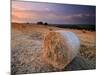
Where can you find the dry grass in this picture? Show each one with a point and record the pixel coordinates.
(26, 46)
(55, 52)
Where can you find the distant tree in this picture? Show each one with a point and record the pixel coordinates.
(40, 22)
(27, 23)
(45, 23)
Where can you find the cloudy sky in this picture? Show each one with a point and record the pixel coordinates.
(23, 11)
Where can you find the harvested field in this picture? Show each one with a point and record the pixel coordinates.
(26, 49)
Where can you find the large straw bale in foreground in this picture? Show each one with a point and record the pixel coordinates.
(59, 48)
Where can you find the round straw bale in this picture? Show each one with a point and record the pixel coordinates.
(59, 48)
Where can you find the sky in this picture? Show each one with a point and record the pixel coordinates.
(52, 13)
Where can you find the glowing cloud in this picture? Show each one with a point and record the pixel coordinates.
(52, 13)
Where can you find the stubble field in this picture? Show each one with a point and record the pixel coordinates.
(26, 47)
